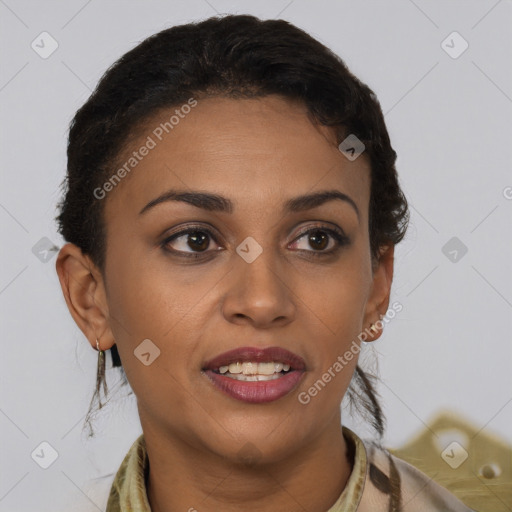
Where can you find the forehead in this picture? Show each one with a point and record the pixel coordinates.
(259, 152)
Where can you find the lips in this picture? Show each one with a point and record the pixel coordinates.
(245, 383)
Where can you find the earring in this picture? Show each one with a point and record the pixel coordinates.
(373, 328)
(100, 374)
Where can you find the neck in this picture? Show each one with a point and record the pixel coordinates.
(183, 478)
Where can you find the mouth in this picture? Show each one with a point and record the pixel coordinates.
(255, 375)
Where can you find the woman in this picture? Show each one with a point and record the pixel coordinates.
(232, 207)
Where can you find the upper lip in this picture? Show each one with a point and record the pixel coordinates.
(257, 355)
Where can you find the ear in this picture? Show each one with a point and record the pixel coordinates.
(378, 300)
(84, 290)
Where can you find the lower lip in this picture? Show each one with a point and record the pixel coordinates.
(256, 392)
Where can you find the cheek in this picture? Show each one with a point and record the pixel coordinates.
(147, 304)
(338, 296)
(343, 305)
(163, 304)
(150, 299)
(338, 300)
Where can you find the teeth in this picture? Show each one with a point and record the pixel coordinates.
(266, 368)
(254, 378)
(235, 368)
(252, 371)
(249, 368)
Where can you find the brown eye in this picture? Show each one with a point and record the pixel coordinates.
(189, 242)
(322, 240)
(319, 240)
(198, 240)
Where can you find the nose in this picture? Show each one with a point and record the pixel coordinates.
(259, 293)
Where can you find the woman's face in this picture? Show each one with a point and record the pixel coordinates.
(258, 280)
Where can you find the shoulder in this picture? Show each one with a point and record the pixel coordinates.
(390, 479)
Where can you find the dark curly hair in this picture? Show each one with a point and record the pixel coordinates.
(235, 56)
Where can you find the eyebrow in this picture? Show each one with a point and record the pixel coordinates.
(217, 203)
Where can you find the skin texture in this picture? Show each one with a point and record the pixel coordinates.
(258, 153)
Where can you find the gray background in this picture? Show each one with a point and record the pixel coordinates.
(449, 120)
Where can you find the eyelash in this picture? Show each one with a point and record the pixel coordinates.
(337, 235)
